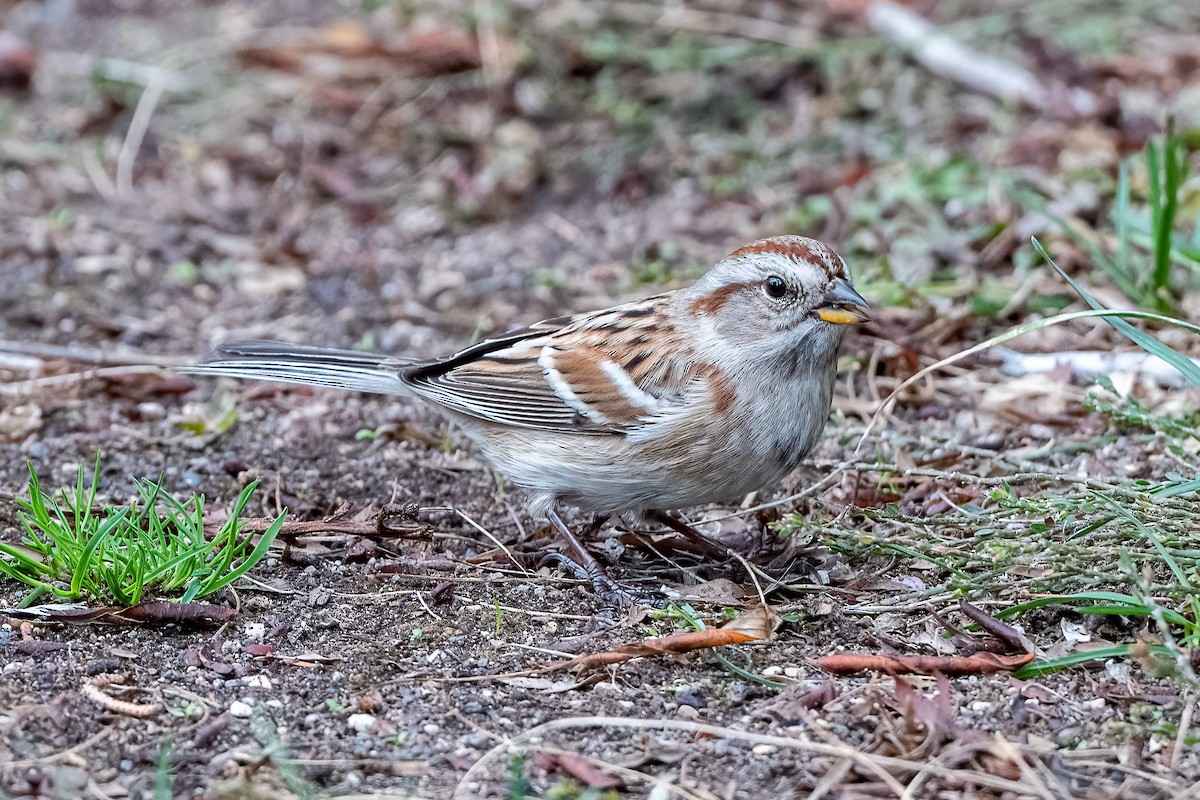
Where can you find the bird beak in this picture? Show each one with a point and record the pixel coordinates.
(841, 305)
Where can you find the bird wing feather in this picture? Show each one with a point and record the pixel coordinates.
(599, 373)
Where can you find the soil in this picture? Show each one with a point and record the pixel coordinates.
(410, 204)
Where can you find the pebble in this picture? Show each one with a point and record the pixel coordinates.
(258, 682)
(240, 709)
(690, 696)
(763, 749)
(361, 723)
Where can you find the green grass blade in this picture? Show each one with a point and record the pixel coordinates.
(1111, 267)
(1185, 365)
(256, 555)
(1122, 219)
(25, 560)
(1109, 598)
(1036, 668)
(1174, 490)
(84, 564)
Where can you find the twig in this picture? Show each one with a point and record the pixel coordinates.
(485, 532)
(700, 728)
(21, 388)
(137, 131)
(714, 22)
(93, 690)
(1185, 725)
(92, 355)
(62, 754)
(943, 55)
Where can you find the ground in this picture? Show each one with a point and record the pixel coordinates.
(409, 177)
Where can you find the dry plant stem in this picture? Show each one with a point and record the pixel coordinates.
(94, 691)
(467, 519)
(945, 56)
(844, 751)
(63, 755)
(25, 388)
(1185, 724)
(1009, 335)
(91, 355)
(137, 131)
(714, 22)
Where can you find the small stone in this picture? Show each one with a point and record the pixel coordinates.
(240, 709)
(431, 728)
(763, 750)
(258, 682)
(361, 723)
(687, 712)
(690, 696)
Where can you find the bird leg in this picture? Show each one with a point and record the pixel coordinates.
(707, 546)
(585, 566)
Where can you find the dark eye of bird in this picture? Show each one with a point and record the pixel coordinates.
(776, 286)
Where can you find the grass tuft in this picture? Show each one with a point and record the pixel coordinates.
(1152, 243)
(73, 549)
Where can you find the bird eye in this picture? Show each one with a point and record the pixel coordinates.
(775, 286)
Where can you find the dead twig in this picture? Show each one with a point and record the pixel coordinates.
(693, 19)
(945, 56)
(137, 130)
(25, 388)
(981, 663)
(94, 691)
(964, 777)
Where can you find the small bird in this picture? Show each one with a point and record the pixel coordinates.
(695, 396)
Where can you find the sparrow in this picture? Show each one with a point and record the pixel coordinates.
(694, 396)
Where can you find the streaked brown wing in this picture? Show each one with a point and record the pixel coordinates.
(591, 374)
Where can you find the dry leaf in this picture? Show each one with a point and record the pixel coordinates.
(756, 626)
(982, 663)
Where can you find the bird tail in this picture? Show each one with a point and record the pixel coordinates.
(315, 366)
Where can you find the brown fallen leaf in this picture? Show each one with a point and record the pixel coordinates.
(428, 54)
(981, 663)
(194, 614)
(155, 611)
(578, 768)
(307, 659)
(790, 706)
(756, 626)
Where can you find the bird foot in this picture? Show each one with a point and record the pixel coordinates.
(604, 586)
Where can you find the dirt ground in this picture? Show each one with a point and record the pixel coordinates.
(406, 179)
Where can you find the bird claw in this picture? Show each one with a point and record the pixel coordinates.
(604, 586)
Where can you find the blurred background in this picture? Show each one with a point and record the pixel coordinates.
(405, 176)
